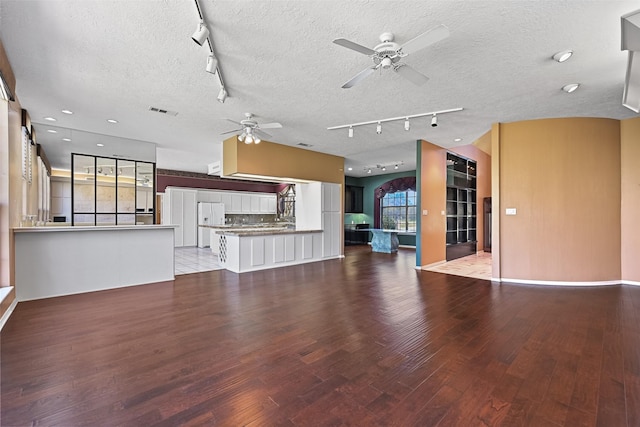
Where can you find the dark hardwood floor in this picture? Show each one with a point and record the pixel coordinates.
(363, 341)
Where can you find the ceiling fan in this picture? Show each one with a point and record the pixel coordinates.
(388, 54)
(251, 131)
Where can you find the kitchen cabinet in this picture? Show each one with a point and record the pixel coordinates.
(332, 232)
(331, 197)
(180, 208)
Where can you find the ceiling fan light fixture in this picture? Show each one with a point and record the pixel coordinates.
(386, 63)
(201, 33)
(248, 139)
(379, 128)
(242, 136)
(222, 95)
(256, 140)
(572, 87)
(562, 56)
(212, 64)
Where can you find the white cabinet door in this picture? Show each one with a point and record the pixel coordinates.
(236, 203)
(272, 204)
(331, 195)
(190, 219)
(331, 227)
(225, 199)
(215, 197)
(264, 204)
(255, 203)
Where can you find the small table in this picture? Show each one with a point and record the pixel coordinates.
(384, 240)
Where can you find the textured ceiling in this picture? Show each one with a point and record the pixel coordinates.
(114, 59)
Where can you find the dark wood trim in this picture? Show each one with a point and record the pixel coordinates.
(43, 156)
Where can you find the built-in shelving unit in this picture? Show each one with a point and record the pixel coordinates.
(461, 207)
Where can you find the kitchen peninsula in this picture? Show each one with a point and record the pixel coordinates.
(56, 260)
(242, 250)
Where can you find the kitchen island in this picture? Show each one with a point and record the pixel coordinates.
(384, 240)
(57, 260)
(242, 250)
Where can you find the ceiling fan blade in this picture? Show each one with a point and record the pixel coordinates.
(273, 125)
(262, 134)
(232, 131)
(358, 77)
(354, 46)
(234, 122)
(412, 75)
(425, 39)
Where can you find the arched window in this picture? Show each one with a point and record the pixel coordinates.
(396, 205)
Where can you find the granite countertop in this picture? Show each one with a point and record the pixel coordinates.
(263, 231)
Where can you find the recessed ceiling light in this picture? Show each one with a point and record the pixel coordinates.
(112, 120)
(562, 56)
(51, 119)
(100, 145)
(571, 87)
(67, 111)
(349, 169)
(66, 139)
(457, 140)
(52, 131)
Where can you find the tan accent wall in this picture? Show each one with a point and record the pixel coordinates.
(269, 159)
(563, 177)
(630, 198)
(484, 143)
(483, 183)
(433, 193)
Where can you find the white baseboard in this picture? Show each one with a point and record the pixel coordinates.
(630, 282)
(557, 283)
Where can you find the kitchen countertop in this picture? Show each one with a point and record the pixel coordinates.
(263, 232)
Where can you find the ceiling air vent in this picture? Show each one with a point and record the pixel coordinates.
(302, 144)
(161, 111)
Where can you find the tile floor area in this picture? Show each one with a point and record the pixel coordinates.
(195, 260)
(477, 266)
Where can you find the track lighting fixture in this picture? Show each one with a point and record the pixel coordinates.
(201, 33)
(369, 171)
(407, 124)
(384, 168)
(212, 64)
(222, 95)
(395, 167)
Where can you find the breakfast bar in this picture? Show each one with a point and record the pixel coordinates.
(251, 250)
(57, 260)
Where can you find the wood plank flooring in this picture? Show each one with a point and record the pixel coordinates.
(363, 341)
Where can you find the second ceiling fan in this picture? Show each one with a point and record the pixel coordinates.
(251, 131)
(388, 54)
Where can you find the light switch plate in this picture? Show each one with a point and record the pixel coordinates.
(510, 211)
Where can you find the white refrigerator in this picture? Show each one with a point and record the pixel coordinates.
(208, 214)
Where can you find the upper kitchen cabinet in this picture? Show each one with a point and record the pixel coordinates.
(331, 197)
(353, 197)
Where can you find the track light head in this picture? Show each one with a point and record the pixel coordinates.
(407, 125)
(201, 33)
(350, 131)
(434, 121)
(379, 128)
(395, 167)
(384, 168)
(222, 95)
(369, 171)
(212, 64)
